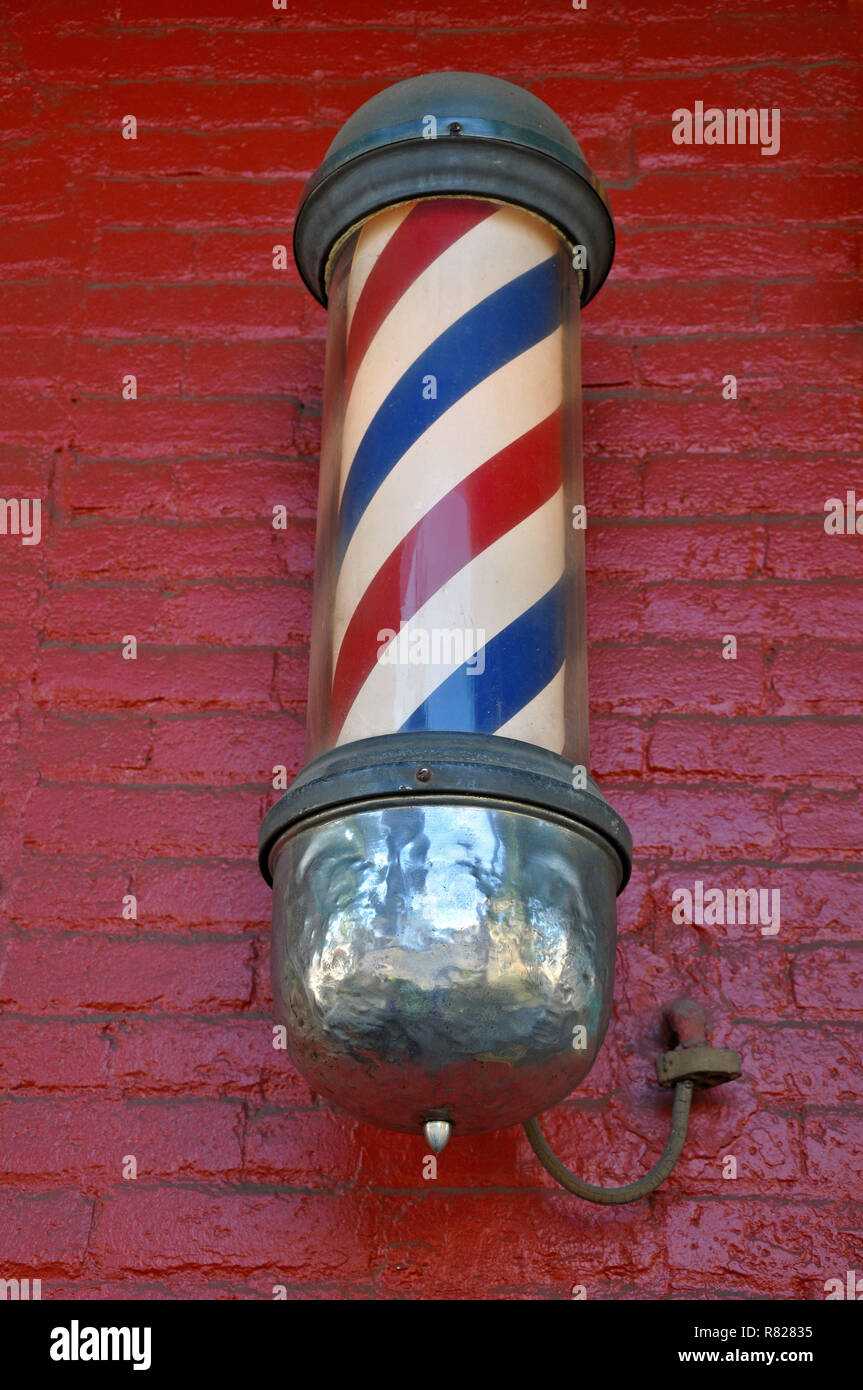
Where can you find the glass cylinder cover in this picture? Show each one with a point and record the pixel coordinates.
(449, 584)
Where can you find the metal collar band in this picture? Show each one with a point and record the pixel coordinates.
(452, 765)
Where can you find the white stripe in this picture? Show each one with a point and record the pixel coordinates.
(370, 243)
(494, 589)
(486, 258)
(499, 410)
(541, 720)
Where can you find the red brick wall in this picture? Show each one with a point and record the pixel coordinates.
(152, 1037)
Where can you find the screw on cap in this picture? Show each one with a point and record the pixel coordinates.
(511, 147)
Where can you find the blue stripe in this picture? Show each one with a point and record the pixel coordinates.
(502, 326)
(519, 663)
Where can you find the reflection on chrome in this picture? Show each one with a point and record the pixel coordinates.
(438, 959)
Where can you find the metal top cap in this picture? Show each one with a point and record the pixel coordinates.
(487, 138)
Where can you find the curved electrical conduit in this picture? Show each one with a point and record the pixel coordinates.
(615, 1196)
(692, 1063)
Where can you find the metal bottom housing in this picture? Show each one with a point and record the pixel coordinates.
(452, 959)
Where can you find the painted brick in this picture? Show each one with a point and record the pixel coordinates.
(87, 1139)
(45, 1055)
(222, 1056)
(80, 975)
(792, 752)
(802, 1064)
(43, 1232)
(160, 1229)
(705, 517)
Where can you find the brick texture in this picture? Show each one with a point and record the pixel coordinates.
(150, 1035)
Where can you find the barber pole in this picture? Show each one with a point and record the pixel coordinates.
(444, 870)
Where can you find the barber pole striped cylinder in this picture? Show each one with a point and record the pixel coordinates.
(450, 573)
(444, 870)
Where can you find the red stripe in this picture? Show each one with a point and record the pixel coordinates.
(427, 231)
(492, 500)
